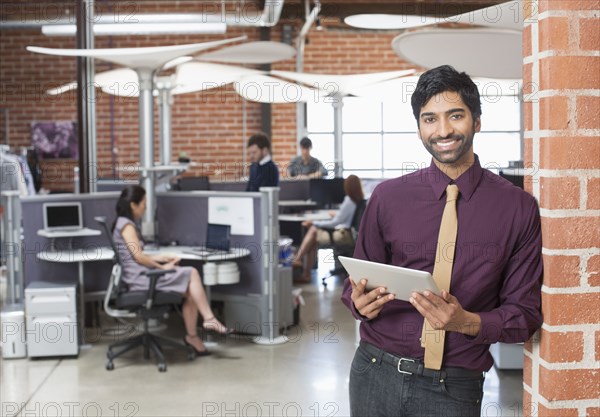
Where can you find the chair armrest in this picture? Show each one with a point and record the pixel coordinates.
(154, 275)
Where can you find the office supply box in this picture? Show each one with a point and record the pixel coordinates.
(51, 318)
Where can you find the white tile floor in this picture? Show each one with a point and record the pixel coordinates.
(307, 376)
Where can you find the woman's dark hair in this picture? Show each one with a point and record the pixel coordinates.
(130, 194)
(441, 79)
(353, 189)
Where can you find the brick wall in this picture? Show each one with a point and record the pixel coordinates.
(562, 128)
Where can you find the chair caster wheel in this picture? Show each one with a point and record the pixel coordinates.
(162, 367)
(110, 366)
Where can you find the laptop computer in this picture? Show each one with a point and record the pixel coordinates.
(217, 241)
(63, 216)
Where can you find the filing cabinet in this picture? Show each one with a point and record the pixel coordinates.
(51, 319)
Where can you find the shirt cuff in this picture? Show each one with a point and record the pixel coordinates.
(356, 314)
(490, 329)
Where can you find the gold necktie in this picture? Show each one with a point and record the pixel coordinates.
(433, 340)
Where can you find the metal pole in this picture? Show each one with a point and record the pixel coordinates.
(86, 98)
(146, 128)
(300, 42)
(11, 246)
(165, 103)
(338, 147)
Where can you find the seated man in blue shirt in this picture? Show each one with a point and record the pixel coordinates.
(263, 171)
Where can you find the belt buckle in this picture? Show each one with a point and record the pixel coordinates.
(400, 364)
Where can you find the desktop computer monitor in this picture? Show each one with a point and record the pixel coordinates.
(193, 184)
(327, 192)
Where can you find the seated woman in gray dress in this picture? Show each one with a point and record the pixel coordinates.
(185, 280)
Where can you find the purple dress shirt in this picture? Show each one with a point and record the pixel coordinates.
(497, 270)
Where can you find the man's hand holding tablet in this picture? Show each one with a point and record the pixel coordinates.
(370, 303)
(374, 284)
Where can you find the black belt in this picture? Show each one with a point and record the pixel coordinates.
(416, 367)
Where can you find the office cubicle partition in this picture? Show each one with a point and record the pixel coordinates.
(181, 219)
(96, 273)
(250, 305)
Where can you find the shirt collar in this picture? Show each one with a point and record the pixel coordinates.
(467, 182)
(264, 160)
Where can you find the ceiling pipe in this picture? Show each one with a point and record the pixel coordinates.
(311, 18)
(268, 17)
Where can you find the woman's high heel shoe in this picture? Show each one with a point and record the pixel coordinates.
(204, 352)
(211, 324)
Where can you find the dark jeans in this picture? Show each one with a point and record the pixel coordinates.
(378, 389)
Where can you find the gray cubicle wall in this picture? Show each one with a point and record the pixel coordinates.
(182, 218)
(96, 273)
(288, 189)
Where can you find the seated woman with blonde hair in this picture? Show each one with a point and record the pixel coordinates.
(135, 263)
(342, 220)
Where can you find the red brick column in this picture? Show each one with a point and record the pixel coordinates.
(561, 48)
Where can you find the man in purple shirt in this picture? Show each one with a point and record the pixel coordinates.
(495, 290)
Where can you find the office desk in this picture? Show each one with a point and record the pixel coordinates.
(78, 256)
(306, 216)
(289, 206)
(291, 224)
(181, 252)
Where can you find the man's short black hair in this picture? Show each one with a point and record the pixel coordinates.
(261, 140)
(306, 143)
(441, 79)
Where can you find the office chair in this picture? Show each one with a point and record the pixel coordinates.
(344, 248)
(150, 304)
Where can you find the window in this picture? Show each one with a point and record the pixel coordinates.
(379, 138)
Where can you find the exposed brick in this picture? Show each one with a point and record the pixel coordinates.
(546, 5)
(570, 232)
(589, 34)
(554, 34)
(569, 152)
(528, 87)
(562, 309)
(527, 41)
(561, 346)
(556, 72)
(528, 115)
(561, 271)
(592, 411)
(572, 384)
(593, 269)
(556, 412)
(528, 346)
(554, 113)
(527, 371)
(588, 112)
(597, 338)
(529, 408)
(559, 193)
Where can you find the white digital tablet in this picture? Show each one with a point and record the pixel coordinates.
(399, 281)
